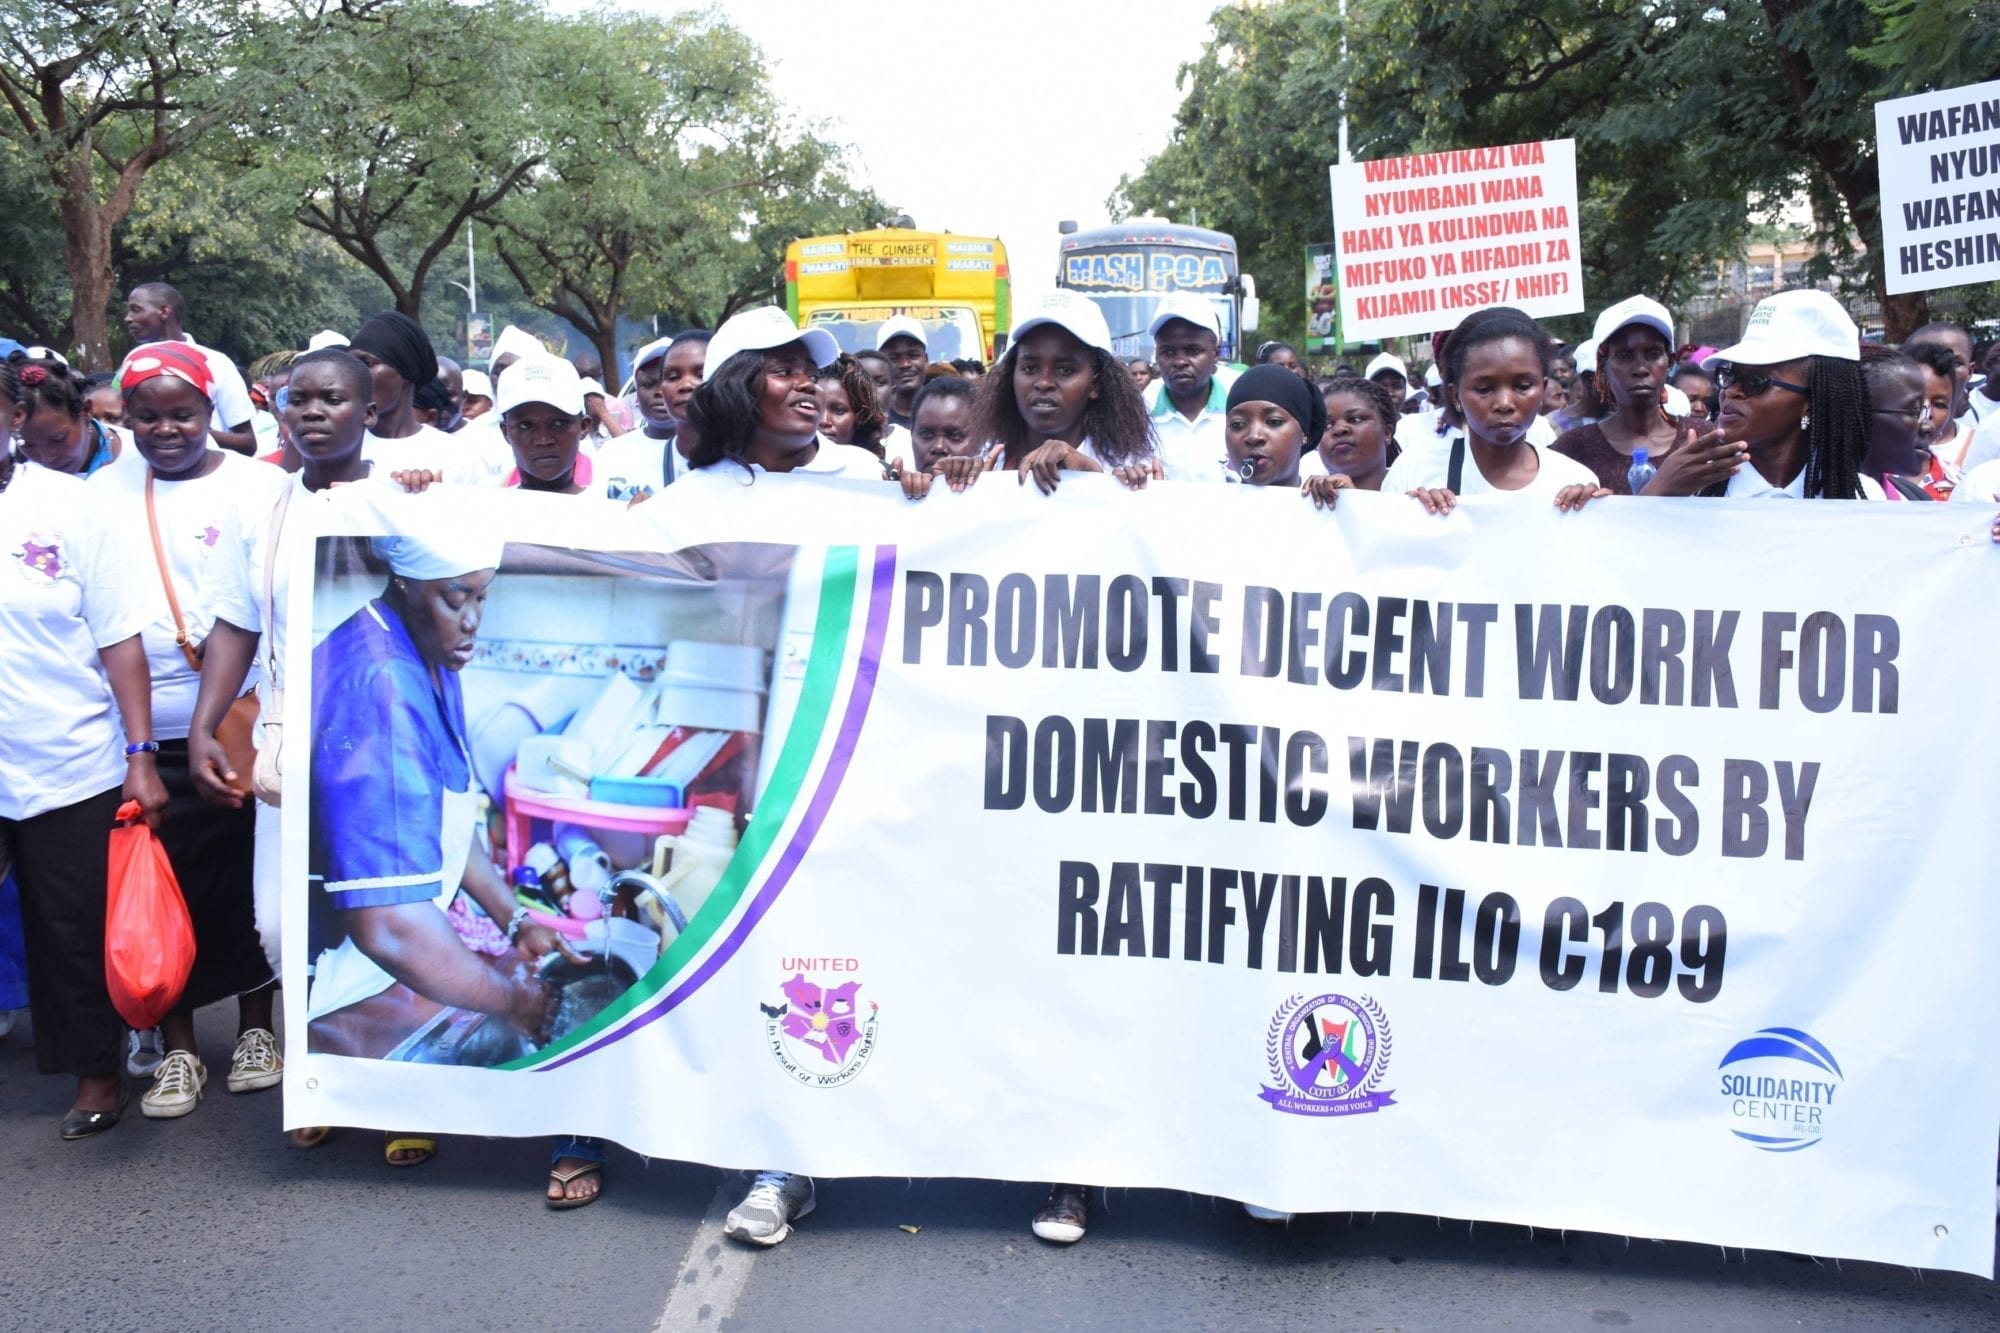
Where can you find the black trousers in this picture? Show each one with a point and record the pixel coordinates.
(60, 864)
(212, 850)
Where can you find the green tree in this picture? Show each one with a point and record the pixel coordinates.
(98, 93)
(419, 116)
(1684, 111)
(668, 195)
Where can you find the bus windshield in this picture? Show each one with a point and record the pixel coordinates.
(1127, 267)
(950, 333)
(1129, 316)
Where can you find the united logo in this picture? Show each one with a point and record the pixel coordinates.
(821, 1036)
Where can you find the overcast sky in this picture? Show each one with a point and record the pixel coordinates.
(926, 97)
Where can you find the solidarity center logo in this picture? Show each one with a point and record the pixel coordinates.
(819, 1036)
(1327, 1056)
(1778, 1086)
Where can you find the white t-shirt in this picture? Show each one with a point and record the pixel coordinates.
(430, 449)
(70, 589)
(1750, 484)
(239, 598)
(636, 464)
(1427, 466)
(898, 445)
(1981, 485)
(1985, 446)
(832, 460)
(202, 522)
(231, 398)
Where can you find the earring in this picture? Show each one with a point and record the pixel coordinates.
(1805, 421)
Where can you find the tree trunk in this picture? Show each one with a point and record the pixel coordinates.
(1855, 182)
(87, 258)
(606, 343)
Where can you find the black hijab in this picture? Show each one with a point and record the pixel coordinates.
(1275, 384)
(399, 342)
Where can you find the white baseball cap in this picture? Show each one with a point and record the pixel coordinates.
(652, 351)
(541, 378)
(513, 341)
(1196, 310)
(477, 383)
(1434, 376)
(1386, 361)
(1586, 356)
(762, 329)
(1067, 310)
(1634, 310)
(326, 338)
(901, 326)
(1790, 325)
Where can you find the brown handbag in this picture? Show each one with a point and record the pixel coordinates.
(237, 731)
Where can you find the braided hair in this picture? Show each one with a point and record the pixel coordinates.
(1837, 428)
(55, 385)
(869, 418)
(1115, 421)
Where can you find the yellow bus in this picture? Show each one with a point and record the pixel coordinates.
(956, 285)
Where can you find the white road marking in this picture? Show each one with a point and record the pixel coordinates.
(712, 1274)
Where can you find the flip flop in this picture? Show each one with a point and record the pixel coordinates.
(81, 1124)
(409, 1143)
(565, 1178)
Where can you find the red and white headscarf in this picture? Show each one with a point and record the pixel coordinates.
(179, 361)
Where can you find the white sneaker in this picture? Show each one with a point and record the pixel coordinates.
(143, 1052)
(8, 1018)
(775, 1201)
(255, 1063)
(176, 1087)
(1270, 1217)
(1063, 1216)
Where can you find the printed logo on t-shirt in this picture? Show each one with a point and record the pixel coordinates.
(40, 555)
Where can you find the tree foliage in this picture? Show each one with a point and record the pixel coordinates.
(678, 168)
(293, 164)
(1694, 119)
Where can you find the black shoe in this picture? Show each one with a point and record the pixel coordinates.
(81, 1124)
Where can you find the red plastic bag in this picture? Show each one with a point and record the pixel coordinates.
(148, 938)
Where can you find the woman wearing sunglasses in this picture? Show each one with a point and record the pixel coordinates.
(1795, 420)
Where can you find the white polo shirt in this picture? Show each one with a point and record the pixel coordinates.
(1750, 484)
(1192, 449)
(1981, 485)
(69, 575)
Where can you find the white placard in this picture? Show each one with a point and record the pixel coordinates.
(1423, 240)
(1939, 156)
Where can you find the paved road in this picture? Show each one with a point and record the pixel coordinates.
(212, 1221)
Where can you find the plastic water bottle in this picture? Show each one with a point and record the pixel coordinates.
(589, 870)
(1640, 472)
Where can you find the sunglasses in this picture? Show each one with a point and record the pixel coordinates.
(1751, 386)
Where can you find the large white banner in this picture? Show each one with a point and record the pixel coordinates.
(1939, 161)
(1625, 871)
(1424, 240)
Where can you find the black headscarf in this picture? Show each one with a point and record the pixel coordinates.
(399, 342)
(1275, 384)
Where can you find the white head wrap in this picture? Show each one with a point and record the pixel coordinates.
(439, 558)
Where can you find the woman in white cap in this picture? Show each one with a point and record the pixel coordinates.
(758, 409)
(645, 461)
(1793, 398)
(1635, 350)
(1060, 400)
